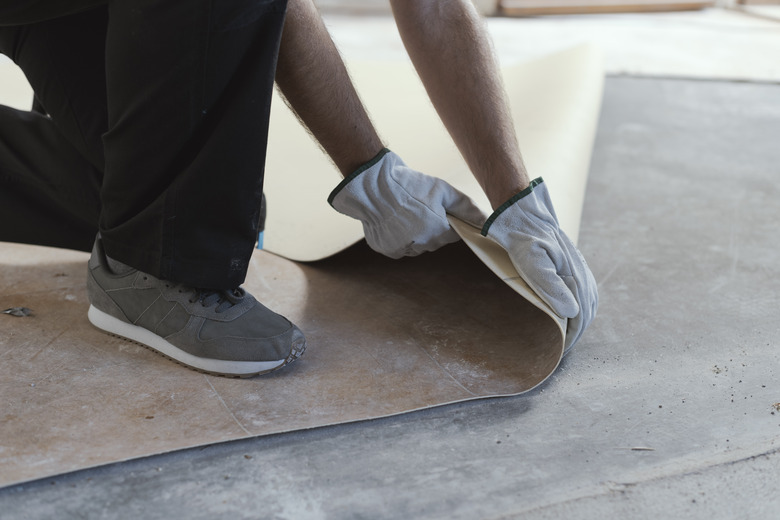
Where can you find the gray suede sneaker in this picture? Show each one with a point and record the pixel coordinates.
(225, 333)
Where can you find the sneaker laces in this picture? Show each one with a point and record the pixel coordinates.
(223, 299)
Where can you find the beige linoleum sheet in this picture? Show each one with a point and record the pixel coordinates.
(555, 103)
(384, 337)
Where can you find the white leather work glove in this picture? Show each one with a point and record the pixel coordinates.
(402, 210)
(527, 228)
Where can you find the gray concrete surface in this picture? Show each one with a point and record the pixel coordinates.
(713, 43)
(668, 408)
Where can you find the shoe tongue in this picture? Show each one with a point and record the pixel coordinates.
(224, 299)
(224, 305)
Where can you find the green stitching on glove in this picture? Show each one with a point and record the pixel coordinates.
(348, 178)
(534, 183)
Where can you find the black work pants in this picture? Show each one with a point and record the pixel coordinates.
(154, 134)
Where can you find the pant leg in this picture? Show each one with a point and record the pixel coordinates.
(189, 87)
(38, 205)
(189, 90)
(51, 167)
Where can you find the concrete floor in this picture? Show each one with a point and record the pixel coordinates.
(669, 407)
(712, 43)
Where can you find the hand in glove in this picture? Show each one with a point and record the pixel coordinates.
(527, 228)
(403, 211)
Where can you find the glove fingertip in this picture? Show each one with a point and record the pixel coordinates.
(567, 308)
(562, 303)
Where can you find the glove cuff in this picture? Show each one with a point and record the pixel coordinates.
(378, 157)
(534, 183)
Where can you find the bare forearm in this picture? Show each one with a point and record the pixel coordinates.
(313, 79)
(453, 55)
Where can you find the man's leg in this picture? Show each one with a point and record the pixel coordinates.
(189, 87)
(38, 204)
(51, 167)
(188, 97)
(189, 91)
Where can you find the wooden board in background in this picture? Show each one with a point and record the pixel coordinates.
(544, 7)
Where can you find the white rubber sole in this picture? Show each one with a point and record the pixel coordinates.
(149, 339)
